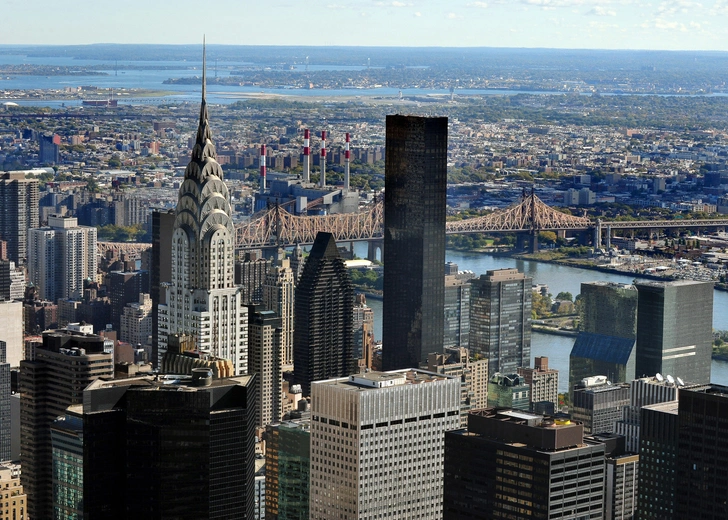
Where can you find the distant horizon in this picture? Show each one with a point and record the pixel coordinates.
(669, 25)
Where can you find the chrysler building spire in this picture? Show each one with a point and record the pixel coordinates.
(202, 298)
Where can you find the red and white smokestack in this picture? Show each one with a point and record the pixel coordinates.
(322, 180)
(306, 155)
(262, 168)
(347, 158)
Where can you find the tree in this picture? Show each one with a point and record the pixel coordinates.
(565, 296)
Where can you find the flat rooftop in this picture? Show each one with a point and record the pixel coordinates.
(377, 380)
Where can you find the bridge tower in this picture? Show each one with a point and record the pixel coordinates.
(372, 247)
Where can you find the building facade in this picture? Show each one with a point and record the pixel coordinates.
(5, 431)
(19, 200)
(136, 321)
(202, 299)
(60, 257)
(414, 244)
(598, 404)
(674, 329)
(279, 297)
(457, 312)
(376, 444)
(544, 385)
(500, 319)
(509, 391)
(287, 470)
(266, 360)
(323, 341)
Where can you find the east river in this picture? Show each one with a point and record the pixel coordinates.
(560, 278)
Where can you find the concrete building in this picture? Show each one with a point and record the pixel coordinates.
(377, 444)
(266, 360)
(60, 257)
(287, 470)
(674, 329)
(11, 331)
(363, 327)
(657, 480)
(473, 375)
(621, 477)
(202, 299)
(136, 321)
(19, 200)
(414, 244)
(598, 404)
(161, 269)
(514, 464)
(124, 288)
(279, 297)
(500, 320)
(509, 391)
(702, 458)
(323, 341)
(543, 385)
(5, 415)
(457, 312)
(251, 274)
(12, 281)
(63, 367)
(15, 501)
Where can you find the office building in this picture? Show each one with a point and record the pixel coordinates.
(287, 470)
(19, 200)
(67, 465)
(457, 312)
(202, 299)
(702, 453)
(182, 357)
(500, 320)
(251, 274)
(265, 360)
(473, 375)
(543, 385)
(12, 281)
(675, 329)
(598, 404)
(5, 389)
(606, 343)
(363, 326)
(621, 477)
(63, 367)
(200, 465)
(323, 340)
(60, 257)
(161, 268)
(658, 461)
(48, 148)
(509, 391)
(377, 444)
(15, 501)
(124, 288)
(136, 321)
(514, 464)
(414, 243)
(278, 296)
(11, 331)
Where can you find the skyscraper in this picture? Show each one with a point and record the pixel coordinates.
(287, 470)
(63, 367)
(60, 257)
(457, 312)
(278, 296)
(500, 320)
(598, 404)
(514, 464)
(363, 330)
(377, 444)
(161, 269)
(264, 351)
(202, 299)
(19, 200)
(4, 405)
(702, 455)
(544, 383)
(48, 148)
(323, 339)
(675, 329)
(414, 239)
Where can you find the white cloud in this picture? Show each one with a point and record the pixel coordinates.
(664, 25)
(670, 7)
(482, 5)
(599, 10)
(418, 14)
(453, 16)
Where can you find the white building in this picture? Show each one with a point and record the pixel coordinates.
(264, 342)
(11, 330)
(60, 257)
(377, 442)
(136, 321)
(202, 299)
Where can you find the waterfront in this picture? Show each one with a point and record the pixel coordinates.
(561, 278)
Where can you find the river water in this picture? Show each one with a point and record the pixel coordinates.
(559, 278)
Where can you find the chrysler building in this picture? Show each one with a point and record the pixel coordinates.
(202, 299)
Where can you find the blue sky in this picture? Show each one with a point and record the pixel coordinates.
(606, 24)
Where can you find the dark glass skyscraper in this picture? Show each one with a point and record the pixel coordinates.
(675, 329)
(323, 338)
(414, 239)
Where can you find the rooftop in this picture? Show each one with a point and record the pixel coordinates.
(374, 380)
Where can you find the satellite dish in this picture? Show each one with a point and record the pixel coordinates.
(609, 383)
(670, 379)
(659, 377)
(680, 382)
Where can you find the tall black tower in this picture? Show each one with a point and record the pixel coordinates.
(414, 239)
(323, 338)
